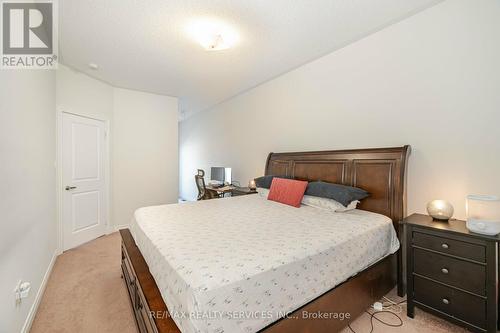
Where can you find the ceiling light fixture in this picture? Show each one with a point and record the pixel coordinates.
(93, 66)
(212, 34)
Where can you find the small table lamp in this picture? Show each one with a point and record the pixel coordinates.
(483, 214)
(251, 185)
(440, 210)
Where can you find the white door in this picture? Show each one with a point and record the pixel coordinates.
(84, 154)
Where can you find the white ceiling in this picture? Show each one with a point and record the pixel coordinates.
(142, 44)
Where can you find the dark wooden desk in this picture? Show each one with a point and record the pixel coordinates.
(237, 191)
(231, 190)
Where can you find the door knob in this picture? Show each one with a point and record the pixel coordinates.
(68, 188)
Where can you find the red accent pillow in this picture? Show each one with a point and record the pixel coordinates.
(287, 191)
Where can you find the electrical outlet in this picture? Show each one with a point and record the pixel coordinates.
(22, 290)
(25, 289)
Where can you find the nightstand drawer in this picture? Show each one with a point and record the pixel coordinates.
(450, 246)
(455, 272)
(455, 303)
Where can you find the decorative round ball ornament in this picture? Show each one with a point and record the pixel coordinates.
(440, 210)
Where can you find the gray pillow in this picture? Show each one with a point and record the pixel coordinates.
(265, 181)
(341, 193)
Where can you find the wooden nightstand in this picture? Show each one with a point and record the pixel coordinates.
(452, 272)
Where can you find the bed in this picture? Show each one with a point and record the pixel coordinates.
(247, 264)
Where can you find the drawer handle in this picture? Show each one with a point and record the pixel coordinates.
(445, 246)
(446, 301)
(444, 271)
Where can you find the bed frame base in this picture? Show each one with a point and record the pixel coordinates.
(341, 304)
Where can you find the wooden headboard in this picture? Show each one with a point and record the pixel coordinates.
(380, 171)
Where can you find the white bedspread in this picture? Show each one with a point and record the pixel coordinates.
(237, 264)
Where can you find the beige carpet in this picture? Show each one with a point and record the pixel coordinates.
(86, 294)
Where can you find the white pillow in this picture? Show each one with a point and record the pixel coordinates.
(351, 206)
(263, 192)
(318, 202)
(325, 203)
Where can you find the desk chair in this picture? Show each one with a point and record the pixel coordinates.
(203, 194)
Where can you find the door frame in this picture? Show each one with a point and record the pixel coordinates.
(59, 173)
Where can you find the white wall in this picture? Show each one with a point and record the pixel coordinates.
(145, 149)
(145, 152)
(143, 140)
(431, 81)
(79, 93)
(27, 187)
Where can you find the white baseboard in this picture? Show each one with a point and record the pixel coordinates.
(121, 226)
(34, 307)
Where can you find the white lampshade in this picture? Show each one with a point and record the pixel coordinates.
(483, 214)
